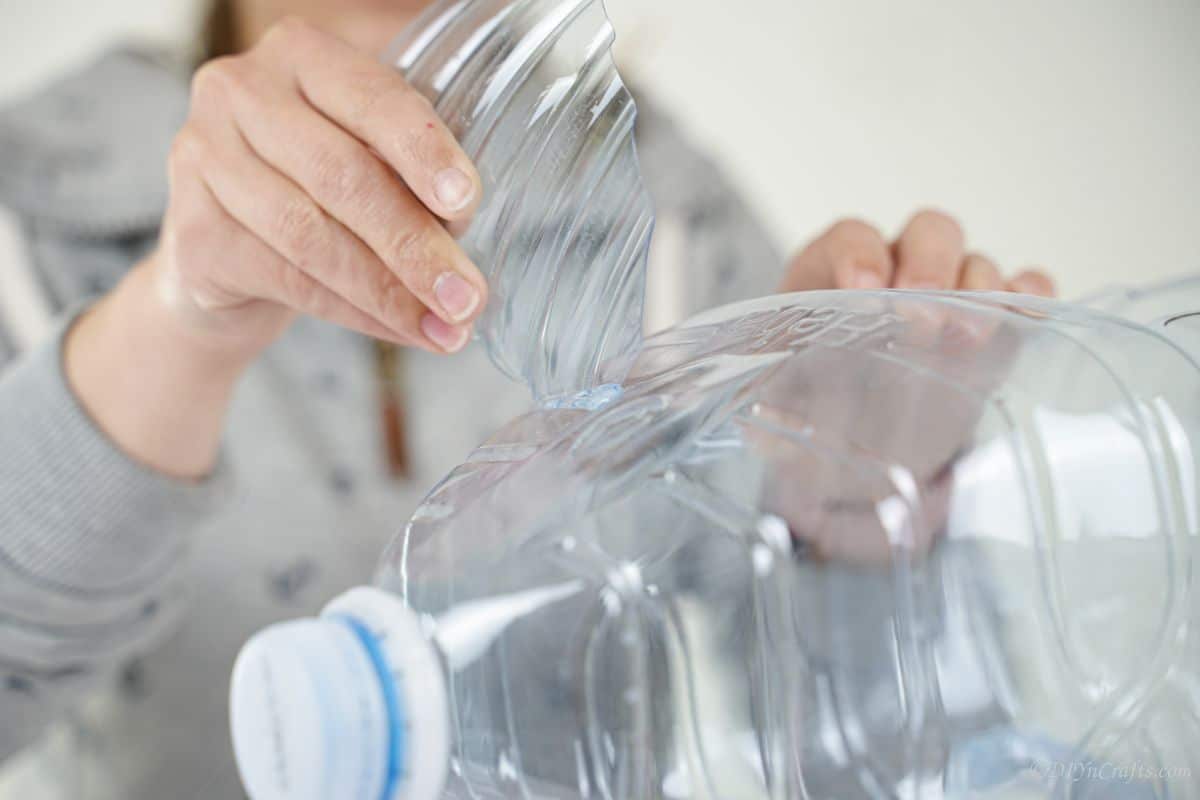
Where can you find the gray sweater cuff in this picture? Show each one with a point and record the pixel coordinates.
(77, 514)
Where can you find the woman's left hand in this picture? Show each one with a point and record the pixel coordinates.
(913, 422)
(930, 253)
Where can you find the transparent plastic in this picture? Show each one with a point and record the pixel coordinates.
(530, 89)
(830, 545)
(838, 545)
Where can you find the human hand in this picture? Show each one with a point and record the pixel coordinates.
(884, 406)
(311, 179)
(930, 253)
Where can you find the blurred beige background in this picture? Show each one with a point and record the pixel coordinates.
(1062, 132)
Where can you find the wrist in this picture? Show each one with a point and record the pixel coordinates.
(224, 340)
(157, 386)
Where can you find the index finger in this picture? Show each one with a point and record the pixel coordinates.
(373, 102)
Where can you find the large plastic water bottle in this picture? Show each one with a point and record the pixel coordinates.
(829, 545)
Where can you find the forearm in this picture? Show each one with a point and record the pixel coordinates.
(158, 388)
(91, 541)
(92, 528)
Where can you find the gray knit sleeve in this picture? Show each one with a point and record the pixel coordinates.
(91, 546)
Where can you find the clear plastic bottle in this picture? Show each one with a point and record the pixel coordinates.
(530, 89)
(830, 545)
(827, 545)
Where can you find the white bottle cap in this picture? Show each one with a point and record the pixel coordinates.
(351, 705)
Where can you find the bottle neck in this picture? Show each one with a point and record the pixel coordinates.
(412, 683)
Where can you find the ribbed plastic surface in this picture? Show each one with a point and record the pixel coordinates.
(530, 89)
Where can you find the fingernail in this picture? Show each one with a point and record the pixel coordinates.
(867, 279)
(454, 189)
(450, 338)
(456, 294)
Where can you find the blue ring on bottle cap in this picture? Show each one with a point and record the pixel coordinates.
(391, 700)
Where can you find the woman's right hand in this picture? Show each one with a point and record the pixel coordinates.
(312, 179)
(309, 179)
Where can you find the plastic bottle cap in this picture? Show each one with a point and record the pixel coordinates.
(351, 705)
(309, 717)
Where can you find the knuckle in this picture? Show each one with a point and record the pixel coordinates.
(207, 78)
(430, 147)
(414, 106)
(300, 226)
(215, 79)
(337, 174)
(405, 249)
(395, 300)
(291, 31)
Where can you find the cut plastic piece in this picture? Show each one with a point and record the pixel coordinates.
(563, 231)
